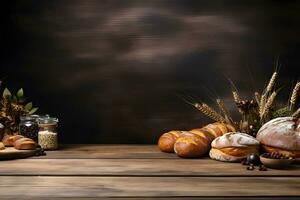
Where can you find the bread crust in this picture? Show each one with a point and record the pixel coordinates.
(282, 132)
(191, 145)
(2, 146)
(217, 154)
(203, 133)
(240, 151)
(24, 144)
(9, 140)
(167, 140)
(289, 153)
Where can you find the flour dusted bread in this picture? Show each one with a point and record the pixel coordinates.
(233, 147)
(281, 134)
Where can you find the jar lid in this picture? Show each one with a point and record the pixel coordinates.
(27, 118)
(40, 116)
(48, 120)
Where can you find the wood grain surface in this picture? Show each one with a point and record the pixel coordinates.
(136, 167)
(12, 153)
(139, 172)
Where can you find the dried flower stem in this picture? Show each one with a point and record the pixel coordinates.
(225, 111)
(236, 96)
(296, 113)
(294, 95)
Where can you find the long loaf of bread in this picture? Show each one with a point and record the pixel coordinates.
(193, 143)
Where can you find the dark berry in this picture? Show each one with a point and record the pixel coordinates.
(253, 159)
(262, 168)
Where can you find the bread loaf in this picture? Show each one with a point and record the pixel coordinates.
(282, 135)
(232, 147)
(167, 140)
(9, 140)
(2, 146)
(196, 143)
(24, 144)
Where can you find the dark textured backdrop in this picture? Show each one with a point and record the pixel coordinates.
(110, 70)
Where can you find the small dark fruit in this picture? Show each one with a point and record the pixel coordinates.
(262, 168)
(253, 159)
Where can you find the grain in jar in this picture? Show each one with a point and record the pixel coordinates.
(48, 137)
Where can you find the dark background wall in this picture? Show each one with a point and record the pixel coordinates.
(110, 70)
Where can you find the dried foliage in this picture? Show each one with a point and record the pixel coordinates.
(11, 108)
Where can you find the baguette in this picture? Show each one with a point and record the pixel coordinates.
(167, 140)
(193, 143)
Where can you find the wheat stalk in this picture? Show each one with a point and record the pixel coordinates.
(271, 82)
(268, 104)
(294, 95)
(296, 113)
(262, 104)
(257, 97)
(236, 96)
(208, 111)
(225, 111)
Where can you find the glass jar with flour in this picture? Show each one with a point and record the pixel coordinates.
(47, 137)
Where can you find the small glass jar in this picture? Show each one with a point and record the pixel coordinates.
(47, 135)
(29, 127)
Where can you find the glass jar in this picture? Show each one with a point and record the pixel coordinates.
(47, 135)
(28, 127)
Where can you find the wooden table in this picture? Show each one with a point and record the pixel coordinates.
(138, 172)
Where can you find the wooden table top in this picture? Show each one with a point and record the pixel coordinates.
(139, 172)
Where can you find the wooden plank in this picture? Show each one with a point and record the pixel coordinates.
(108, 151)
(135, 167)
(152, 198)
(45, 186)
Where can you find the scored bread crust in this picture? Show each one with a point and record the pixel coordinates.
(217, 154)
(167, 140)
(240, 151)
(289, 153)
(190, 145)
(282, 132)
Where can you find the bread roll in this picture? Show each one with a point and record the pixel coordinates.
(281, 134)
(24, 144)
(9, 140)
(233, 147)
(167, 140)
(2, 146)
(196, 143)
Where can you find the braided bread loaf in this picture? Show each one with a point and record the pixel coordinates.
(193, 143)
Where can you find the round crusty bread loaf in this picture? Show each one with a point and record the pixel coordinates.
(234, 139)
(233, 146)
(282, 132)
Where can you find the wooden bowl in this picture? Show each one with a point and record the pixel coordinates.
(276, 163)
